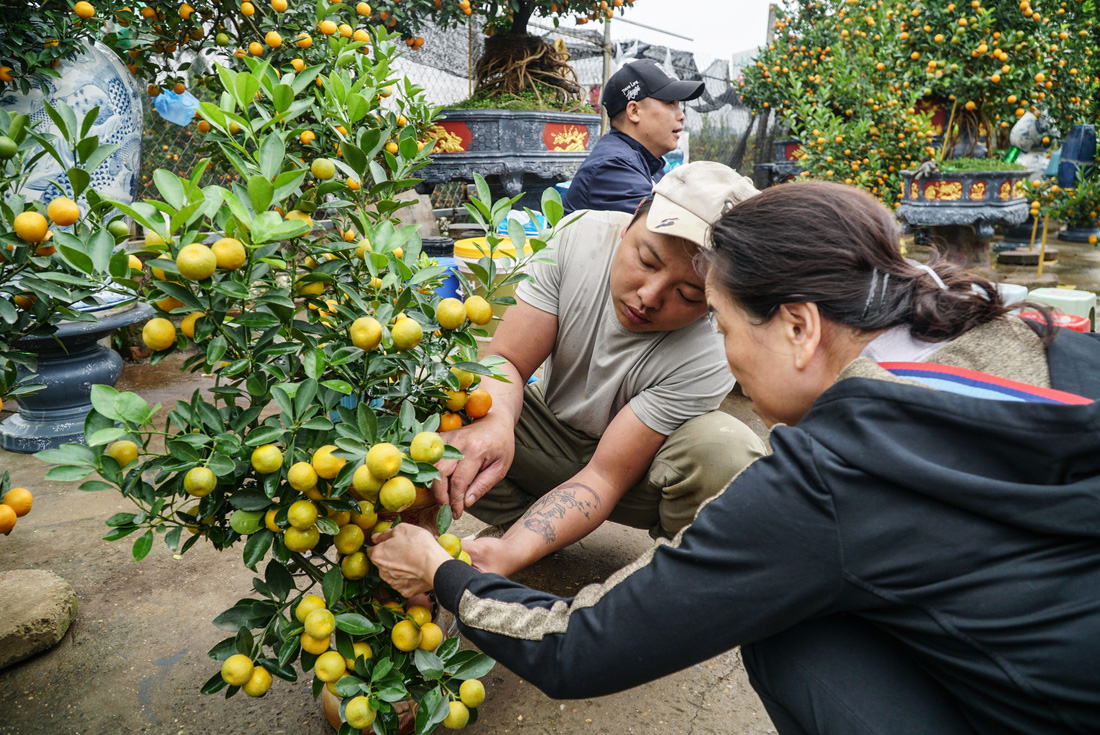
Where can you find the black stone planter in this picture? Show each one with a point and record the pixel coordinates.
(55, 415)
(1079, 232)
(784, 168)
(962, 208)
(516, 151)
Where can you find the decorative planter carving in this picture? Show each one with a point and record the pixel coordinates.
(517, 150)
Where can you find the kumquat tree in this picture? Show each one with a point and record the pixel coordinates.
(872, 87)
(334, 364)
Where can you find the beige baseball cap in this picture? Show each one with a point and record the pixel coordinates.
(690, 198)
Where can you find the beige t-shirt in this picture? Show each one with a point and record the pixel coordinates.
(597, 366)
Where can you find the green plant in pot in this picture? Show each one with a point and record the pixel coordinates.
(335, 363)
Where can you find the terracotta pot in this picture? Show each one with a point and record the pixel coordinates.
(406, 712)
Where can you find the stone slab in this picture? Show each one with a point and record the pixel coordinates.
(36, 608)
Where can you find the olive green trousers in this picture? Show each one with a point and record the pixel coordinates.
(695, 462)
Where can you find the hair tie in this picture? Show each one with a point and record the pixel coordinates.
(935, 276)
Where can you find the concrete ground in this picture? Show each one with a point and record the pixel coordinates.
(135, 658)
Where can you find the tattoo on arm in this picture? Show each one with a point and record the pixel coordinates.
(570, 497)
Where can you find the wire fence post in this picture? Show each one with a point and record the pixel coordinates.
(604, 121)
(760, 148)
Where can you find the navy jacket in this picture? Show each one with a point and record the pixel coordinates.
(966, 529)
(618, 173)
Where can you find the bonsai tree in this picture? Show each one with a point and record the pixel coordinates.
(514, 62)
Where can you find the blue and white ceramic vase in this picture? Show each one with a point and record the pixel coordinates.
(95, 78)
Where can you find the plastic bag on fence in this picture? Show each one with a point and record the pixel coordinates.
(176, 108)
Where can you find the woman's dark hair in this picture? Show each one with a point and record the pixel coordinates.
(838, 247)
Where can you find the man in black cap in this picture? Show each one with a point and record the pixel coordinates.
(643, 103)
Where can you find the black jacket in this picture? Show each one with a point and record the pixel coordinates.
(618, 173)
(967, 529)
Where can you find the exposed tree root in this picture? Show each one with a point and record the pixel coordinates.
(513, 64)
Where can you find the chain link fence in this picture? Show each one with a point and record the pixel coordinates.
(720, 126)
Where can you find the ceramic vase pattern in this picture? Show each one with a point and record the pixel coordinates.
(94, 78)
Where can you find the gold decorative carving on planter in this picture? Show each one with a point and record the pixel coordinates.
(1018, 189)
(977, 190)
(914, 191)
(944, 191)
(1006, 190)
(571, 140)
(446, 142)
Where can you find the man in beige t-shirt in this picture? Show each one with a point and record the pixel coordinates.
(624, 426)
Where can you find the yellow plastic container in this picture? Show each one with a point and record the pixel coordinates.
(473, 249)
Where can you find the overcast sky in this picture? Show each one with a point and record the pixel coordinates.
(720, 28)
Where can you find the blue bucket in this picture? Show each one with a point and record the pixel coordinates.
(443, 250)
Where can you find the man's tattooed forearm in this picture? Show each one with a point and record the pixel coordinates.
(574, 496)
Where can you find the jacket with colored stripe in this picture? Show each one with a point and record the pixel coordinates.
(966, 528)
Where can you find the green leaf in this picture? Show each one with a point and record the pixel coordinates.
(443, 520)
(172, 539)
(356, 624)
(92, 486)
(60, 121)
(105, 436)
(214, 684)
(263, 435)
(79, 179)
(287, 650)
(340, 386)
(121, 532)
(271, 154)
(278, 580)
(251, 499)
(170, 188)
(428, 664)
(260, 189)
(74, 454)
(132, 408)
(475, 668)
(68, 473)
(551, 206)
(103, 401)
(287, 182)
(482, 189)
(333, 586)
(281, 96)
(143, 545)
(313, 362)
(257, 546)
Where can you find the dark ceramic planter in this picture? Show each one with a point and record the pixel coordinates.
(962, 209)
(516, 151)
(70, 362)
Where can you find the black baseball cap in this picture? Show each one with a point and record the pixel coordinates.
(645, 78)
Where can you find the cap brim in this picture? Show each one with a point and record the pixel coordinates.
(668, 218)
(679, 91)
